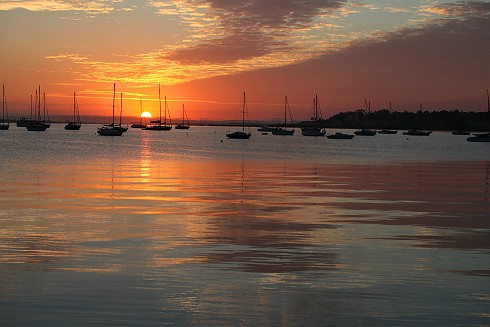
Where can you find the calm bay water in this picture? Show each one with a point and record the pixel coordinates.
(189, 228)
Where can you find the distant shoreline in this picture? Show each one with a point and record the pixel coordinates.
(382, 119)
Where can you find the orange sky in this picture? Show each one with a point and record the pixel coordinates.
(206, 53)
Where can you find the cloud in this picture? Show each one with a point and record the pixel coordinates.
(58, 5)
(461, 9)
(248, 28)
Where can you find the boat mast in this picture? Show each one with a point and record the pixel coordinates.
(3, 103)
(39, 105)
(160, 105)
(285, 106)
(113, 103)
(120, 112)
(488, 107)
(243, 112)
(141, 112)
(74, 107)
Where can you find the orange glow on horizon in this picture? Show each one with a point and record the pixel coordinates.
(146, 114)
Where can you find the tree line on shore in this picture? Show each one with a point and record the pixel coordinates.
(427, 120)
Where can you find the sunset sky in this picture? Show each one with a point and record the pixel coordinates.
(206, 53)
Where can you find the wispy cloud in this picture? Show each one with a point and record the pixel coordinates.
(59, 5)
(227, 37)
(245, 28)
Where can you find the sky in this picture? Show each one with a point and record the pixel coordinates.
(206, 53)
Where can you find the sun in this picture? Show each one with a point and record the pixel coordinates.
(146, 114)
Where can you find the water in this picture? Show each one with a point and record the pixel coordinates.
(189, 228)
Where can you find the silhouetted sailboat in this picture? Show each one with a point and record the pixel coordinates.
(285, 131)
(340, 136)
(4, 124)
(241, 134)
(366, 131)
(482, 137)
(38, 125)
(75, 124)
(388, 130)
(185, 122)
(140, 124)
(316, 129)
(157, 125)
(415, 131)
(111, 129)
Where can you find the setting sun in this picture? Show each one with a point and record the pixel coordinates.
(146, 114)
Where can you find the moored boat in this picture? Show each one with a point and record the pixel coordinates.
(158, 125)
(4, 124)
(241, 134)
(284, 130)
(316, 129)
(340, 136)
(185, 120)
(111, 129)
(75, 124)
(482, 137)
(417, 132)
(366, 131)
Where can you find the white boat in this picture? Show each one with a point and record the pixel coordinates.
(157, 125)
(185, 122)
(241, 134)
(316, 129)
(4, 124)
(366, 131)
(111, 129)
(285, 131)
(482, 137)
(75, 124)
(340, 136)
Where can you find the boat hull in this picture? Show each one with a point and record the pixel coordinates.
(109, 131)
(478, 139)
(417, 133)
(340, 136)
(281, 131)
(238, 135)
(37, 127)
(387, 131)
(365, 132)
(72, 127)
(158, 128)
(138, 125)
(182, 127)
(4, 127)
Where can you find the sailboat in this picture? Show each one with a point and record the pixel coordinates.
(241, 134)
(111, 129)
(415, 131)
(315, 130)
(38, 125)
(140, 124)
(4, 124)
(157, 124)
(285, 131)
(482, 137)
(120, 126)
(75, 124)
(366, 131)
(388, 130)
(185, 123)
